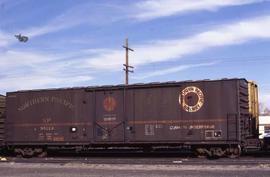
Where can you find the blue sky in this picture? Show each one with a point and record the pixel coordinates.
(79, 43)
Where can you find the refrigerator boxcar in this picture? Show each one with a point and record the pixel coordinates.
(2, 118)
(211, 117)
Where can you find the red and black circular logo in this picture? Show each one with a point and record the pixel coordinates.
(191, 99)
(109, 103)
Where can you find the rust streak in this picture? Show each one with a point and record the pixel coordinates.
(138, 122)
(174, 121)
(108, 123)
(51, 124)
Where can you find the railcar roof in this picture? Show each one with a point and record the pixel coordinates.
(135, 85)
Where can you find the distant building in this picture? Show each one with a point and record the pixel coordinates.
(264, 126)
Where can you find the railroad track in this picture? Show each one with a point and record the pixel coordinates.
(159, 158)
(144, 160)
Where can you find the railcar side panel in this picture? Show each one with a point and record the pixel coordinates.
(2, 118)
(52, 116)
(188, 112)
(109, 116)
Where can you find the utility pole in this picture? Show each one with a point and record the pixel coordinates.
(127, 68)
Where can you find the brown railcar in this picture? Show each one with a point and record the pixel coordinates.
(2, 105)
(2, 118)
(212, 117)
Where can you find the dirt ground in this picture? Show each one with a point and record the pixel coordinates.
(12, 169)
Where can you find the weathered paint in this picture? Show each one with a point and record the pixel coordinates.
(192, 112)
